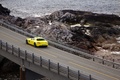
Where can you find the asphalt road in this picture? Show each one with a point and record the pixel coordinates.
(98, 71)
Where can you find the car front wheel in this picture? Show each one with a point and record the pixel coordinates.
(35, 45)
(26, 42)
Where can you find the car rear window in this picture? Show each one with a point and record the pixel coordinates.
(40, 39)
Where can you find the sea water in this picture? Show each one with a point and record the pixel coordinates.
(36, 8)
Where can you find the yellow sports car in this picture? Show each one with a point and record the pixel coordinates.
(37, 41)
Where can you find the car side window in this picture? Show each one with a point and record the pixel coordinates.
(40, 39)
(32, 39)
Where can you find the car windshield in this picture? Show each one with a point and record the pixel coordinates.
(40, 39)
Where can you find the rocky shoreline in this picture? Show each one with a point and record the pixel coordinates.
(97, 33)
(9, 70)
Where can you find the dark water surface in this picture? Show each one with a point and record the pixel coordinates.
(26, 8)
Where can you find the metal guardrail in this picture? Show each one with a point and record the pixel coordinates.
(66, 48)
(51, 66)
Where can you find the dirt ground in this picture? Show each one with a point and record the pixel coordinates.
(109, 55)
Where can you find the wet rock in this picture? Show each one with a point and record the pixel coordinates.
(58, 31)
(68, 16)
(4, 11)
(72, 16)
(112, 47)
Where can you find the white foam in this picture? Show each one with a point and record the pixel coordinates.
(115, 52)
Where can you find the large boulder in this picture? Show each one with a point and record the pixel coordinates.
(68, 16)
(73, 16)
(57, 31)
(4, 11)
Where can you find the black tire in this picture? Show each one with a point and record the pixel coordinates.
(26, 42)
(35, 45)
(46, 46)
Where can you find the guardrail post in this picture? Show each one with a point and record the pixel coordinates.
(103, 60)
(18, 52)
(6, 46)
(93, 59)
(12, 49)
(41, 61)
(25, 55)
(0, 24)
(49, 64)
(78, 75)
(113, 63)
(58, 68)
(1, 44)
(68, 71)
(32, 57)
(90, 78)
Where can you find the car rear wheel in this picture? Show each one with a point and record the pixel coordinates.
(35, 45)
(26, 42)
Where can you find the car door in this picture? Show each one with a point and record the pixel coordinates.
(32, 41)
